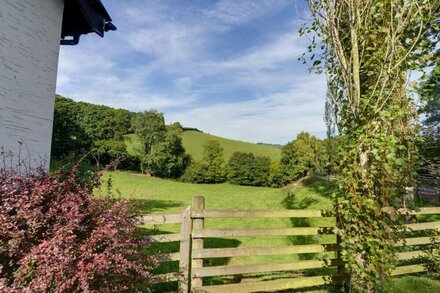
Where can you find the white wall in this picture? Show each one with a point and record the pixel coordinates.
(29, 48)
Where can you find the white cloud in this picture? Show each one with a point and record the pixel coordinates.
(233, 12)
(273, 118)
(175, 47)
(287, 46)
(169, 42)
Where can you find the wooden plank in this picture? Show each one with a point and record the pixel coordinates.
(410, 254)
(258, 251)
(411, 269)
(165, 257)
(416, 241)
(269, 286)
(198, 205)
(262, 268)
(204, 233)
(158, 219)
(164, 278)
(261, 214)
(423, 226)
(185, 250)
(164, 238)
(423, 211)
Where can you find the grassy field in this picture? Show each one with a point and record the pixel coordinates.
(153, 195)
(193, 142)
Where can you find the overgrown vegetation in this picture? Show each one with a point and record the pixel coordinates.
(368, 48)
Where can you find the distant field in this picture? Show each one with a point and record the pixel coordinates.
(193, 142)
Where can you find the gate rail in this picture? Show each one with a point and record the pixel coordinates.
(192, 252)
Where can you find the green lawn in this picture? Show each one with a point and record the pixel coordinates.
(154, 195)
(193, 142)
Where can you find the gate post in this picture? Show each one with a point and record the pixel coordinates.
(198, 224)
(185, 246)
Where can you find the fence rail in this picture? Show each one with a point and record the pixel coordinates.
(192, 253)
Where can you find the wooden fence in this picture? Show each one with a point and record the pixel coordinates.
(192, 252)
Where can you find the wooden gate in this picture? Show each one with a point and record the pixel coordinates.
(322, 266)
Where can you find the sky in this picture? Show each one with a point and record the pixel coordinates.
(227, 67)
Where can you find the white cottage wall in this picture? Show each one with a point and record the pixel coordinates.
(29, 49)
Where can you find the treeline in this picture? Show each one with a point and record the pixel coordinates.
(99, 133)
(82, 128)
(304, 155)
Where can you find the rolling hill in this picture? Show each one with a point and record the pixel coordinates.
(193, 142)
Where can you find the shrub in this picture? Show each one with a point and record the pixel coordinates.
(279, 174)
(57, 237)
(195, 173)
(246, 169)
(168, 159)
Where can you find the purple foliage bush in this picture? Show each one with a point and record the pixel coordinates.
(55, 236)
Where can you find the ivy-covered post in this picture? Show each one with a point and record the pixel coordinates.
(367, 50)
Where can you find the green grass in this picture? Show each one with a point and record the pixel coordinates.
(154, 195)
(413, 284)
(193, 142)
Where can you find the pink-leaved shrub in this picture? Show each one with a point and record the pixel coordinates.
(55, 236)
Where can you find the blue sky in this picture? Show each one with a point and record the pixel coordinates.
(227, 67)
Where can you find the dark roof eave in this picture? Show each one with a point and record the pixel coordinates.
(82, 17)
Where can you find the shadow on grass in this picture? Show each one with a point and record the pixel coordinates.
(169, 266)
(291, 201)
(219, 243)
(322, 187)
(146, 206)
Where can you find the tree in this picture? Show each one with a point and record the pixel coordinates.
(246, 169)
(211, 169)
(279, 174)
(67, 136)
(168, 158)
(331, 155)
(430, 94)
(367, 48)
(213, 159)
(175, 127)
(430, 145)
(81, 128)
(302, 156)
(150, 127)
(108, 150)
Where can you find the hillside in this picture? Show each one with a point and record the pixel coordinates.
(193, 142)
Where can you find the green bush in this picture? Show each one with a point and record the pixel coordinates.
(194, 173)
(247, 169)
(279, 174)
(168, 159)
